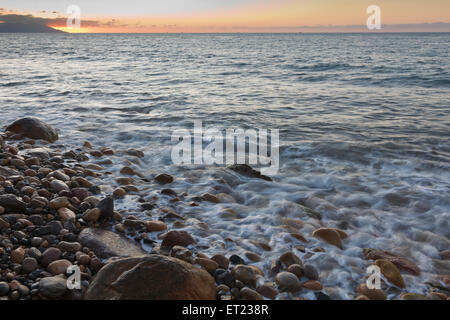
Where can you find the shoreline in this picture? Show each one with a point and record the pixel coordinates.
(53, 214)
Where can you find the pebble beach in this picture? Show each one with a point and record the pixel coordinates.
(62, 205)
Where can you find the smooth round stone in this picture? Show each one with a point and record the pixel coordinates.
(34, 253)
(36, 241)
(288, 282)
(50, 255)
(52, 287)
(245, 274)
(29, 265)
(221, 260)
(249, 294)
(296, 269)
(310, 272)
(23, 290)
(4, 288)
(59, 266)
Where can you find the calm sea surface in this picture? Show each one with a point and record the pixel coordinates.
(364, 126)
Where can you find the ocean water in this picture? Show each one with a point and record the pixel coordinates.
(364, 124)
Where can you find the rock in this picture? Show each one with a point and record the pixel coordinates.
(66, 214)
(4, 289)
(164, 179)
(208, 264)
(59, 266)
(180, 238)
(328, 235)
(445, 255)
(235, 259)
(58, 186)
(245, 274)
(390, 271)
(52, 287)
(106, 207)
(29, 265)
(399, 262)
(312, 285)
(34, 129)
(252, 256)
(119, 193)
(61, 202)
(182, 253)
(310, 272)
(106, 244)
(296, 269)
(92, 215)
(8, 172)
(248, 171)
(372, 294)
(17, 255)
(210, 198)
(80, 193)
(50, 255)
(3, 223)
(71, 247)
(288, 282)
(413, 296)
(155, 226)
(221, 260)
(35, 253)
(289, 258)
(249, 294)
(152, 277)
(267, 290)
(13, 204)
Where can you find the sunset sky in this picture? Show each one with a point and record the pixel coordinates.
(231, 15)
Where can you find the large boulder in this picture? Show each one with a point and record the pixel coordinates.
(151, 277)
(107, 244)
(33, 128)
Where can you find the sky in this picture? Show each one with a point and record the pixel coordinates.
(143, 16)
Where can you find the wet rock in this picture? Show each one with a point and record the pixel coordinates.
(58, 186)
(182, 253)
(296, 269)
(399, 262)
(106, 244)
(60, 202)
(52, 287)
(221, 260)
(180, 238)
(390, 271)
(235, 259)
(208, 264)
(245, 274)
(4, 288)
(289, 258)
(71, 247)
(92, 215)
(310, 272)
(151, 277)
(372, 294)
(249, 294)
(155, 226)
(34, 129)
(210, 198)
(329, 235)
(267, 290)
(164, 179)
(106, 207)
(312, 285)
(288, 282)
(13, 204)
(252, 256)
(413, 296)
(66, 214)
(248, 171)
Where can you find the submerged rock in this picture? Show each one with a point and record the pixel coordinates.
(33, 128)
(399, 262)
(248, 171)
(390, 271)
(151, 277)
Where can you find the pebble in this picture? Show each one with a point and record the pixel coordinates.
(221, 260)
(181, 238)
(50, 255)
(329, 235)
(289, 258)
(71, 247)
(17, 255)
(59, 266)
(59, 185)
(245, 274)
(267, 290)
(155, 226)
(66, 214)
(92, 215)
(312, 285)
(4, 288)
(390, 271)
(235, 259)
(29, 265)
(182, 253)
(372, 294)
(61, 202)
(310, 272)
(34, 253)
(288, 282)
(208, 264)
(249, 294)
(164, 179)
(296, 269)
(252, 256)
(119, 193)
(52, 287)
